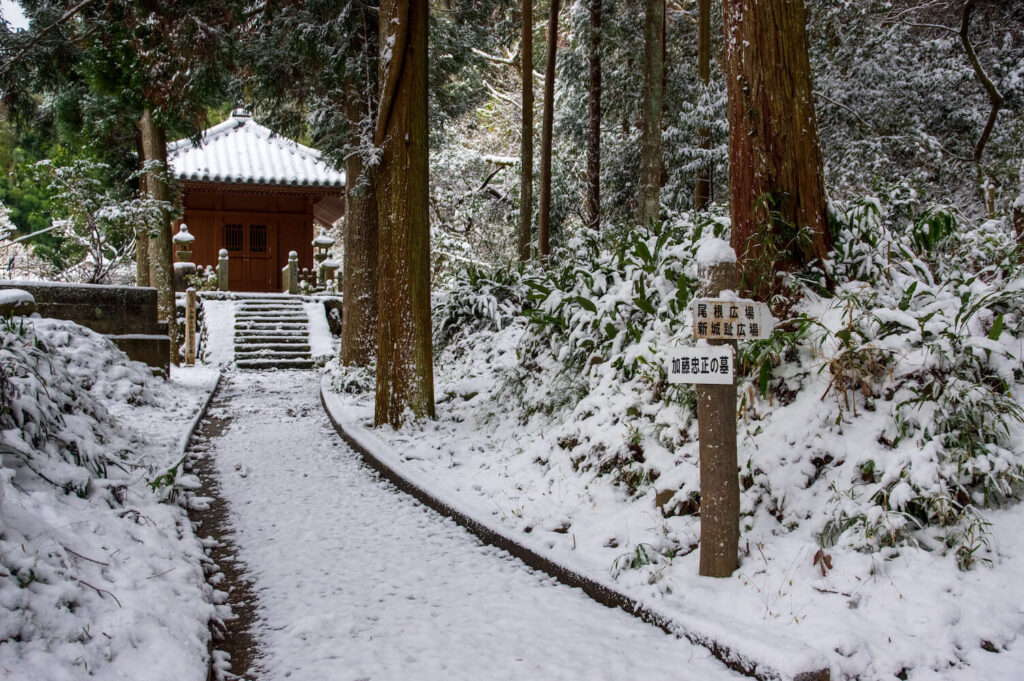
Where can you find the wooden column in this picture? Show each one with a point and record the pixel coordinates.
(190, 327)
(719, 476)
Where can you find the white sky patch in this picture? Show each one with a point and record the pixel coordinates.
(13, 14)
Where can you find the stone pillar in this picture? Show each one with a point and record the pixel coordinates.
(291, 278)
(222, 270)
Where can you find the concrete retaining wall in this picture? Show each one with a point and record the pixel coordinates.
(126, 314)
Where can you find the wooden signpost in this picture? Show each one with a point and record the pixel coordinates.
(190, 327)
(719, 322)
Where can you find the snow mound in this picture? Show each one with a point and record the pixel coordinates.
(97, 577)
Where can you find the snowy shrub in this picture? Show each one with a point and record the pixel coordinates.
(600, 319)
(51, 424)
(918, 344)
(474, 200)
(931, 311)
(101, 223)
(475, 300)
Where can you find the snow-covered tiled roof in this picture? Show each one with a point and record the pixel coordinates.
(240, 151)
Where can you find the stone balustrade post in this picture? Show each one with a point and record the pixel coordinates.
(291, 274)
(222, 270)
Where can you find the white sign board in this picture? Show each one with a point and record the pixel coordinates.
(739, 319)
(715, 364)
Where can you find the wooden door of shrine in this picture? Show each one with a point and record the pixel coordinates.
(251, 241)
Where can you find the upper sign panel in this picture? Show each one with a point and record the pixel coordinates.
(739, 319)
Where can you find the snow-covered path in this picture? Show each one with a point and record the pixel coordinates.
(356, 580)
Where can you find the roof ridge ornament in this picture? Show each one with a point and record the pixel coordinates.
(241, 112)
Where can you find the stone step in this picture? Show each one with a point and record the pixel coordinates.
(272, 314)
(256, 324)
(271, 354)
(271, 324)
(275, 364)
(290, 340)
(271, 320)
(272, 332)
(276, 338)
(274, 304)
(271, 308)
(278, 346)
(267, 337)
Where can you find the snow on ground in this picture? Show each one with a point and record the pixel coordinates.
(320, 343)
(358, 581)
(219, 318)
(871, 615)
(99, 579)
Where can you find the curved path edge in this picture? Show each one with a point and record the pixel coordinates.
(796, 663)
(187, 436)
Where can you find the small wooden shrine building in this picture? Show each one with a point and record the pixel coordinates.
(256, 194)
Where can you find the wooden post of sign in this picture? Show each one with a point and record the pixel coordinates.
(719, 475)
(190, 327)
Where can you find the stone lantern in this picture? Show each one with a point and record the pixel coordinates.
(321, 245)
(183, 244)
(321, 251)
(329, 270)
(183, 269)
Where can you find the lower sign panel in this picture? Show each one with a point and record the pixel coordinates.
(714, 364)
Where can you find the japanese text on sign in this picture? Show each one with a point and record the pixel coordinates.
(731, 319)
(713, 364)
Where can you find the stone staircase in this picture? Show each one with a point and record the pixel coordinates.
(272, 332)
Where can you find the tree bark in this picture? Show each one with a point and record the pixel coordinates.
(161, 246)
(359, 277)
(141, 239)
(547, 123)
(405, 377)
(593, 202)
(702, 191)
(653, 100)
(775, 167)
(526, 179)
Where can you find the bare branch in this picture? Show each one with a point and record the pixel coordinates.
(510, 61)
(868, 126)
(994, 96)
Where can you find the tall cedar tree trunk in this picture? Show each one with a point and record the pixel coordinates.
(526, 180)
(359, 278)
(405, 374)
(653, 100)
(161, 247)
(593, 203)
(702, 191)
(775, 167)
(141, 239)
(547, 122)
